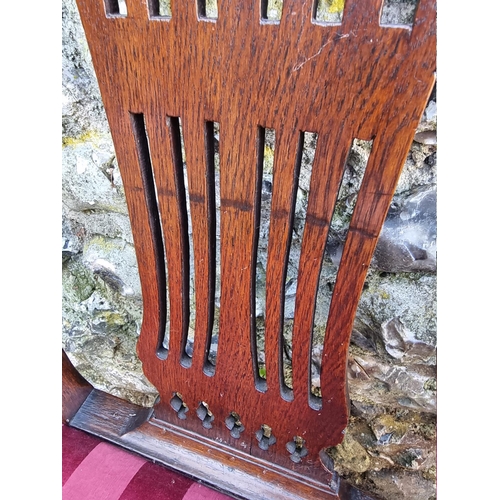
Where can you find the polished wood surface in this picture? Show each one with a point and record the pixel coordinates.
(75, 389)
(163, 76)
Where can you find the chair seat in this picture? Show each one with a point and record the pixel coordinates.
(93, 469)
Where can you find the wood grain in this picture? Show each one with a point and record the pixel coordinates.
(352, 80)
(75, 389)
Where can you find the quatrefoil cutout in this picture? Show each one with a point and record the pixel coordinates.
(297, 449)
(233, 423)
(179, 406)
(265, 437)
(205, 415)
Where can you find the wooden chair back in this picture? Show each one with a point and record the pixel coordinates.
(166, 82)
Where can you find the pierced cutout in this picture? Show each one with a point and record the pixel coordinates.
(179, 406)
(354, 171)
(271, 10)
(159, 8)
(233, 423)
(265, 164)
(256, 334)
(398, 13)
(329, 11)
(213, 193)
(115, 7)
(297, 449)
(208, 9)
(265, 437)
(205, 415)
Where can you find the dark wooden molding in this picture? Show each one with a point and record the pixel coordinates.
(75, 389)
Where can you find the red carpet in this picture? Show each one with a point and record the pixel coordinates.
(95, 470)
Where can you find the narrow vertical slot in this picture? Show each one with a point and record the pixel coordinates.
(174, 125)
(266, 147)
(328, 11)
(215, 330)
(257, 341)
(188, 349)
(271, 10)
(305, 158)
(148, 181)
(212, 157)
(208, 9)
(115, 7)
(398, 12)
(347, 195)
(159, 8)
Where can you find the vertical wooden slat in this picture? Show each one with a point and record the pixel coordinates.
(194, 129)
(238, 154)
(167, 166)
(327, 170)
(143, 230)
(144, 156)
(288, 153)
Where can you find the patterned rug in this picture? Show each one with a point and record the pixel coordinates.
(93, 469)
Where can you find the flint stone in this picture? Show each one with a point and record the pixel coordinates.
(411, 298)
(387, 425)
(399, 342)
(91, 180)
(115, 261)
(100, 327)
(401, 485)
(428, 137)
(82, 108)
(393, 386)
(71, 243)
(408, 239)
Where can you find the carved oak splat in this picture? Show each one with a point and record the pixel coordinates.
(165, 81)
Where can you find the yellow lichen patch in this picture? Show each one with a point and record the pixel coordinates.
(268, 159)
(103, 243)
(335, 6)
(87, 136)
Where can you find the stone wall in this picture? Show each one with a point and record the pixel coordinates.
(390, 444)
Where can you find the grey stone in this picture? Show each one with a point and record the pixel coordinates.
(401, 485)
(82, 107)
(393, 386)
(408, 239)
(100, 327)
(398, 12)
(114, 260)
(91, 179)
(430, 114)
(399, 342)
(409, 297)
(71, 243)
(428, 137)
